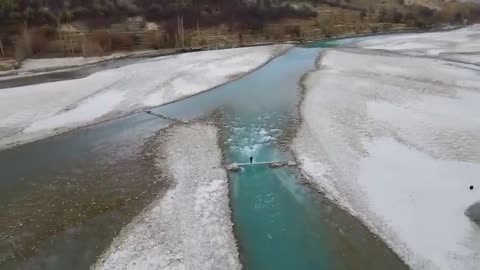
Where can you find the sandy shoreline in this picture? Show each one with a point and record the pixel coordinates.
(38, 66)
(42, 65)
(392, 144)
(29, 113)
(189, 226)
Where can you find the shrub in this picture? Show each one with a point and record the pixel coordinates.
(93, 48)
(363, 14)
(458, 19)
(293, 30)
(122, 42)
(21, 51)
(156, 42)
(397, 16)
(426, 12)
(38, 42)
(474, 13)
(156, 39)
(103, 39)
(48, 31)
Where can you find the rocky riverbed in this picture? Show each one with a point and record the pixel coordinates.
(189, 226)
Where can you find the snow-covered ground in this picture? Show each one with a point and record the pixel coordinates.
(458, 45)
(36, 111)
(189, 227)
(395, 139)
(54, 63)
(46, 64)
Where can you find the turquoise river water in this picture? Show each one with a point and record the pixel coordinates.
(61, 210)
(281, 223)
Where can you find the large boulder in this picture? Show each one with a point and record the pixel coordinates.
(473, 212)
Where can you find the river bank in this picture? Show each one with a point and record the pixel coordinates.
(397, 140)
(39, 66)
(188, 226)
(273, 206)
(30, 113)
(45, 186)
(279, 222)
(35, 66)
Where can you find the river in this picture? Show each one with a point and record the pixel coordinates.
(65, 198)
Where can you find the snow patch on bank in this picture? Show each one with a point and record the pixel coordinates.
(459, 45)
(36, 111)
(396, 141)
(410, 188)
(35, 65)
(89, 109)
(189, 227)
(30, 65)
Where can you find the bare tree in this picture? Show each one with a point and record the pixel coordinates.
(1, 48)
(180, 32)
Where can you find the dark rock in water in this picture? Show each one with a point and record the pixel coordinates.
(233, 167)
(277, 164)
(473, 212)
(291, 163)
(282, 164)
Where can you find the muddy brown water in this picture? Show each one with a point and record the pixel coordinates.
(63, 199)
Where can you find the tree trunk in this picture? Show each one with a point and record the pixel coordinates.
(83, 45)
(182, 32)
(62, 42)
(198, 29)
(180, 41)
(1, 48)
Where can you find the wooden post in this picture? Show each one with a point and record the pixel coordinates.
(83, 45)
(1, 48)
(198, 30)
(180, 32)
(183, 33)
(26, 39)
(73, 41)
(62, 43)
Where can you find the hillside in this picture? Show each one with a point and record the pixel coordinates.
(58, 28)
